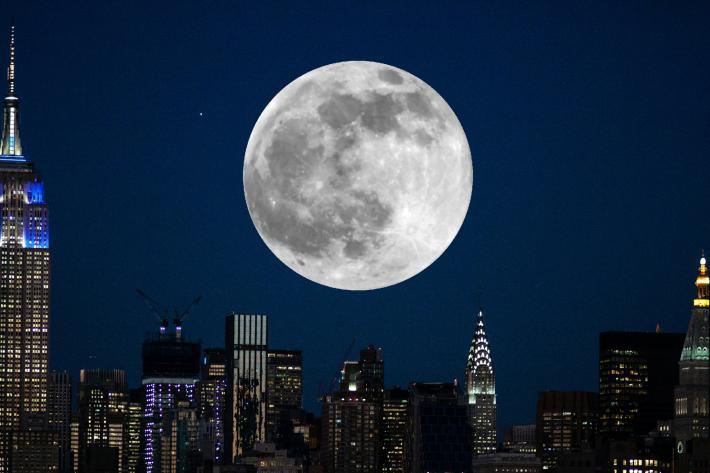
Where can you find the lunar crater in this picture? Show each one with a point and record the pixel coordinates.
(357, 175)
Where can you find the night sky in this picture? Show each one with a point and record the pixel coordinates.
(589, 125)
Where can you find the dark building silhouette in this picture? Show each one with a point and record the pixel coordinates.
(59, 398)
(395, 417)
(284, 390)
(372, 372)
(100, 459)
(439, 429)
(693, 456)
(365, 375)
(637, 374)
(351, 420)
(566, 420)
(34, 450)
(691, 394)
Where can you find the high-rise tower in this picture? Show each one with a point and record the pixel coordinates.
(103, 399)
(691, 394)
(211, 397)
(352, 417)
(637, 374)
(481, 391)
(24, 279)
(284, 389)
(171, 372)
(246, 349)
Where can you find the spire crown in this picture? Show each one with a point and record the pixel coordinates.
(479, 365)
(10, 146)
(702, 283)
(11, 65)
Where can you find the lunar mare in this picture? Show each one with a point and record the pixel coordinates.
(358, 175)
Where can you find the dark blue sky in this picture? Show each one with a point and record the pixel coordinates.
(589, 125)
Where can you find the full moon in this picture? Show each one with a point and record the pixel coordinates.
(358, 175)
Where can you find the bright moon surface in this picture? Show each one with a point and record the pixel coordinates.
(358, 175)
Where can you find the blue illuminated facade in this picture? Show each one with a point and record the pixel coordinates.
(24, 280)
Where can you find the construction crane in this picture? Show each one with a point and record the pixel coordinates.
(180, 316)
(335, 378)
(161, 313)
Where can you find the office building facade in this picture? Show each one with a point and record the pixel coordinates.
(246, 352)
(212, 394)
(59, 403)
(350, 433)
(284, 388)
(566, 420)
(103, 397)
(637, 374)
(395, 416)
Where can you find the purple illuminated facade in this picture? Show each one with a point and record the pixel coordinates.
(171, 370)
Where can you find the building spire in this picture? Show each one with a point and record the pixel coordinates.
(481, 391)
(10, 146)
(702, 283)
(479, 365)
(11, 65)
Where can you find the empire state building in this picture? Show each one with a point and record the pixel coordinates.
(24, 277)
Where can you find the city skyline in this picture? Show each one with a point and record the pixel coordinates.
(457, 282)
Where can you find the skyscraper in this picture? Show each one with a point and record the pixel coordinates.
(350, 432)
(372, 372)
(566, 420)
(133, 417)
(481, 391)
(691, 395)
(59, 398)
(352, 416)
(284, 388)
(637, 374)
(395, 415)
(212, 393)
(246, 350)
(103, 398)
(171, 371)
(24, 280)
(439, 429)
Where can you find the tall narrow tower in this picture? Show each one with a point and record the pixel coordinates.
(481, 391)
(246, 347)
(24, 282)
(24, 276)
(691, 394)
